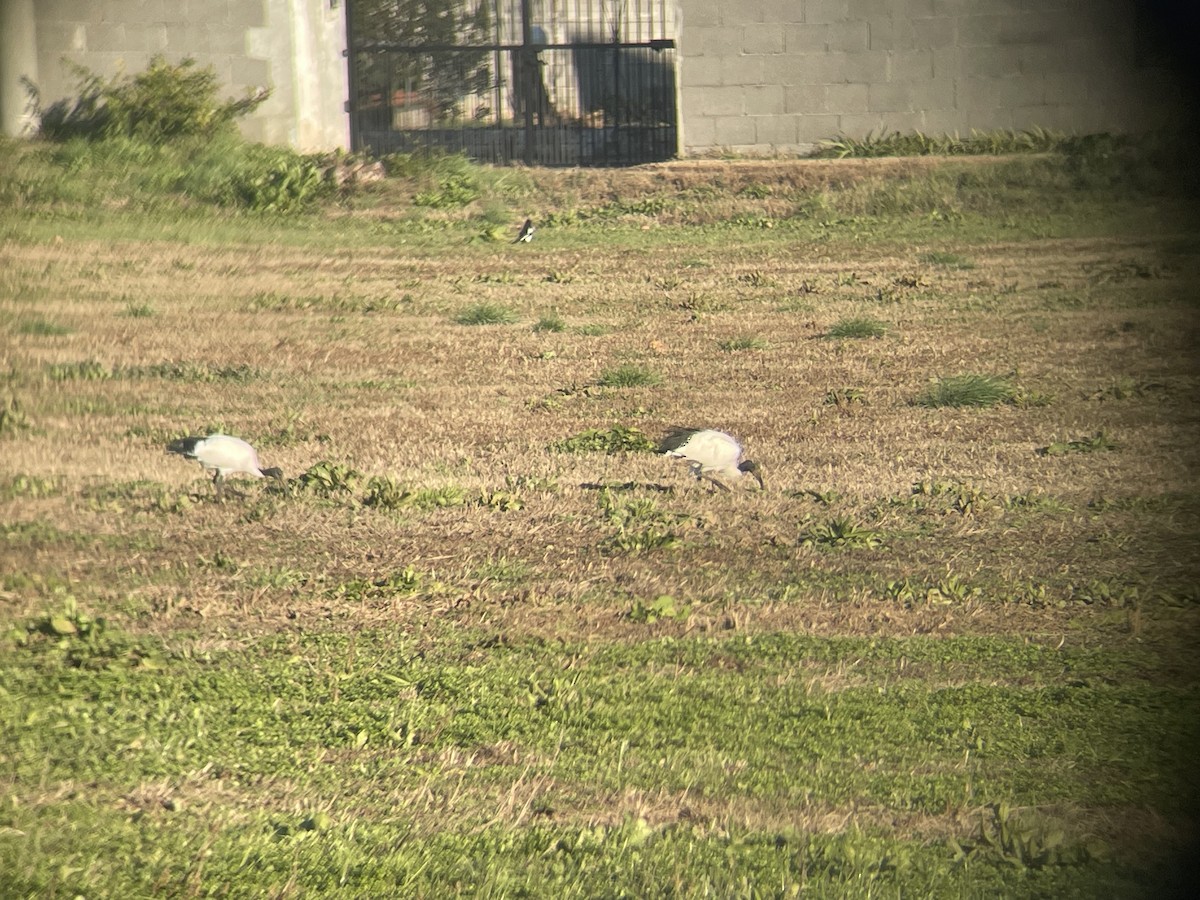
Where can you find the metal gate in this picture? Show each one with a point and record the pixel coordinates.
(545, 82)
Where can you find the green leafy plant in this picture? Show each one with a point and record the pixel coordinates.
(840, 533)
(195, 372)
(357, 590)
(749, 342)
(1124, 387)
(900, 591)
(955, 495)
(12, 417)
(618, 439)
(967, 390)
(384, 492)
(88, 370)
(628, 376)
(501, 277)
(1096, 443)
(32, 486)
(663, 606)
(438, 497)
(501, 570)
(452, 192)
(542, 483)
(1098, 592)
(486, 314)
(1025, 841)
(279, 180)
(951, 589)
(503, 501)
(72, 638)
(640, 524)
(327, 478)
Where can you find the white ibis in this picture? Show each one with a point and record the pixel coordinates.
(525, 235)
(710, 453)
(222, 455)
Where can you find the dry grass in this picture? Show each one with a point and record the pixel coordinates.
(352, 354)
(355, 357)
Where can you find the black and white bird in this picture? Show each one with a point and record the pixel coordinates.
(525, 235)
(709, 453)
(222, 455)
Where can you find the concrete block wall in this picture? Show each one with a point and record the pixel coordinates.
(761, 76)
(294, 47)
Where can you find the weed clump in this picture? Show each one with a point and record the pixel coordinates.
(628, 376)
(618, 439)
(486, 314)
(328, 478)
(967, 390)
(1094, 444)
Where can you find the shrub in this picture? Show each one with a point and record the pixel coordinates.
(161, 103)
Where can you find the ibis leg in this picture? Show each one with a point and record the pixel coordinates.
(714, 481)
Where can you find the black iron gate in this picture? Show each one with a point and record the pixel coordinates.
(545, 82)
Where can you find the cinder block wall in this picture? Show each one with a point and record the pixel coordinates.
(293, 47)
(781, 75)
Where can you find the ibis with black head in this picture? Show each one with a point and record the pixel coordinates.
(222, 455)
(710, 453)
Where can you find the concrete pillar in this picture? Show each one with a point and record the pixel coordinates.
(18, 61)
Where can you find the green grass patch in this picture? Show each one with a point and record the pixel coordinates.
(552, 323)
(857, 328)
(486, 314)
(42, 328)
(628, 376)
(840, 533)
(967, 390)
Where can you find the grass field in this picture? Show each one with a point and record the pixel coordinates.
(481, 642)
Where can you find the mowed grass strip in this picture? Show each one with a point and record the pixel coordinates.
(678, 746)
